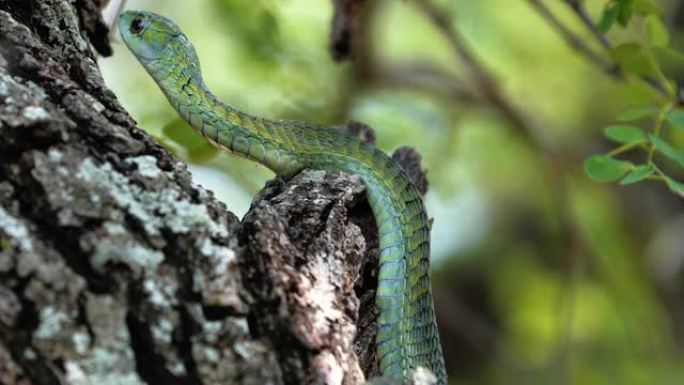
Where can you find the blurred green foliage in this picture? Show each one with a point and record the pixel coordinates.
(543, 275)
(651, 59)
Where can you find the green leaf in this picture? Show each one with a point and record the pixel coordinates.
(670, 61)
(625, 11)
(255, 25)
(608, 18)
(636, 114)
(202, 154)
(635, 58)
(605, 169)
(180, 132)
(638, 174)
(656, 31)
(623, 133)
(198, 150)
(676, 118)
(675, 186)
(666, 149)
(647, 7)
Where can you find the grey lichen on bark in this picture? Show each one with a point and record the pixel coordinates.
(114, 266)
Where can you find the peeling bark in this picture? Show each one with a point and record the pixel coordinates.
(116, 268)
(304, 258)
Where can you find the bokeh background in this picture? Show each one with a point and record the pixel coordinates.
(541, 274)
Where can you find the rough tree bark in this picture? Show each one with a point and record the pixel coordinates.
(116, 268)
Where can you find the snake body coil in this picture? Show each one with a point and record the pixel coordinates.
(407, 335)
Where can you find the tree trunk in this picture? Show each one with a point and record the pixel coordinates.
(116, 268)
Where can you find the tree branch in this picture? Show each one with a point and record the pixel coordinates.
(576, 43)
(581, 12)
(486, 83)
(572, 39)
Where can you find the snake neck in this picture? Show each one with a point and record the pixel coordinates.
(221, 124)
(182, 84)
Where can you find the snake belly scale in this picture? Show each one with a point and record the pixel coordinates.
(407, 335)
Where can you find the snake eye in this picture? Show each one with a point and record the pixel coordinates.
(137, 26)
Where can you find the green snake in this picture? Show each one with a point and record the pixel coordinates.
(407, 335)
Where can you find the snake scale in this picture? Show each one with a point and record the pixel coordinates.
(407, 335)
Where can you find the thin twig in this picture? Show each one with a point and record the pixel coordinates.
(112, 11)
(571, 38)
(423, 76)
(580, 11)
(583, 15)
(486, 82)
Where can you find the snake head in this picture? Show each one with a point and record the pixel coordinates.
(154, 38)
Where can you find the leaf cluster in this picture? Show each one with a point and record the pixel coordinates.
(646, 136)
